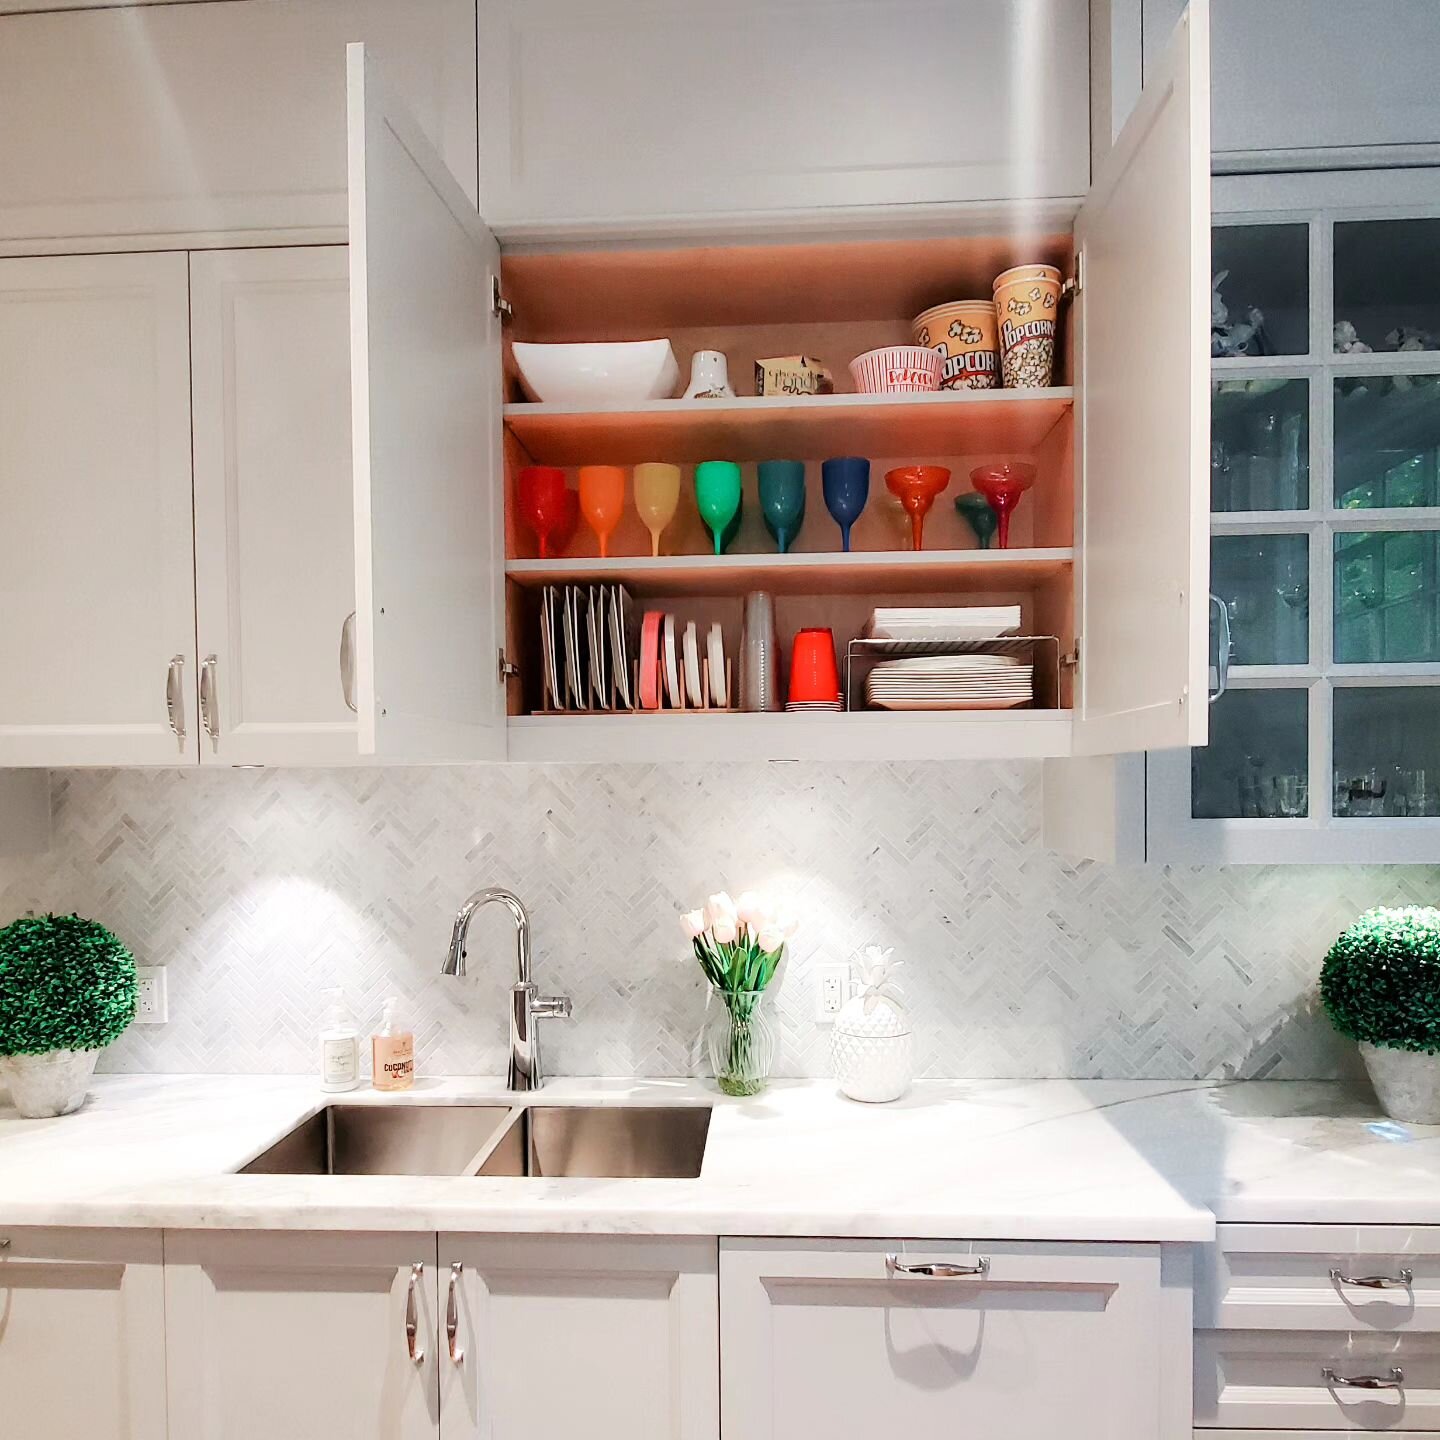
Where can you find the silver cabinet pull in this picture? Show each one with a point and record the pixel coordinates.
(1400, 1280)
(209, 702)
(1222, 648)
(175, 697)
(452, 1313)
(1365, 1382)
(347, 661)
(895, 1266)
(412, 1317)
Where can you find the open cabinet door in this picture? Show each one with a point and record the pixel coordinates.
(1143, 354)
(426, 396)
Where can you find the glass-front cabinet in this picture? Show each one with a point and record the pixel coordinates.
(1325, 519)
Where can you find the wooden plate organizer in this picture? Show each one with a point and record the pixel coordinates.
(830, 301)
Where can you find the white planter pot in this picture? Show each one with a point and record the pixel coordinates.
(1407, 1082)
(43, 1086)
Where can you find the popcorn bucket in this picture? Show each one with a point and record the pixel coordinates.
(1027, 300)
(965, 334)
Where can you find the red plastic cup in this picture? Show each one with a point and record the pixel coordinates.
(814, 671)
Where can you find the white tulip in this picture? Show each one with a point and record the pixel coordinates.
(694, 924)
(720, 910)
(751, 910)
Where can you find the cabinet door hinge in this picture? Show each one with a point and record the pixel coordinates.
(1070, 660)
(1076, 283)
(508, 670)
(499, 305)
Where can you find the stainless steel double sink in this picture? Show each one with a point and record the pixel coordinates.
(619, 1142)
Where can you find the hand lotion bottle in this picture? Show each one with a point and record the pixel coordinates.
(392, 1051)
(339, 1046)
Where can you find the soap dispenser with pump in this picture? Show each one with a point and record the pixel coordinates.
(392, 1051)
(339, 1046)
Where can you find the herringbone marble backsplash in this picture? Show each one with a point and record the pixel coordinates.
(259, 889)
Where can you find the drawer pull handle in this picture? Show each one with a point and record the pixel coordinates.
(1365, 1382)
(895, 1266)
(1374, 1282)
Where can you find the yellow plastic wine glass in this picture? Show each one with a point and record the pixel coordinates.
(657, 496)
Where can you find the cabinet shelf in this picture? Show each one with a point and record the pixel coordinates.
(857, 573)
(809, 427)
(855, 735)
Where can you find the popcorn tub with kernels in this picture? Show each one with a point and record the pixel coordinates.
(1026, 298)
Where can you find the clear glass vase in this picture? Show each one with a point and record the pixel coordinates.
(740, 1039)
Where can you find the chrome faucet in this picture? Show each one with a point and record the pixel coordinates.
(526, 1007)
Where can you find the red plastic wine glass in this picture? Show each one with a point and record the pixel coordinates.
(540, 495)
(1002, 486)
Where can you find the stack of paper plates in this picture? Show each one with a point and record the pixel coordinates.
(951, 682)
(940, 622)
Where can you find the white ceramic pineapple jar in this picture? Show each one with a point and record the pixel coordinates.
(870, 1046)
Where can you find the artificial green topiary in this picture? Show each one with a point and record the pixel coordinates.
(1381, 980)
(65, 984)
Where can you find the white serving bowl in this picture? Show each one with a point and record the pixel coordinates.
(599, 373)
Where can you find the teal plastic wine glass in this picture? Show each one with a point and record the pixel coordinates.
(717, 496)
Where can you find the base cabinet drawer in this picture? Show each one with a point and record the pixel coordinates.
(932, 1340)
(1320, 1277)
(1316, 1381)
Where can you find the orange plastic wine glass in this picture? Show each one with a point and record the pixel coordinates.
(916, 487)
(602, 500)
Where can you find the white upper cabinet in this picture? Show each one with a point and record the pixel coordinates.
(595, 111)
(1143, 237)
(177, 120)
(1297, 80)
(97, 593)
(426, 396)
(275, 577)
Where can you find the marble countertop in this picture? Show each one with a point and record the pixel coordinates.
(1041, 1159)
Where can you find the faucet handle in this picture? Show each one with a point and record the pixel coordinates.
(551, 1007)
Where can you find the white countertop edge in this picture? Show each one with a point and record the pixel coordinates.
(1046, 1160)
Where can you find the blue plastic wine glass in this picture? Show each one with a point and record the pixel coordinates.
(846, 480)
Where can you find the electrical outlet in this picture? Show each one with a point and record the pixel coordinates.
(152, 1005)
(832, 990)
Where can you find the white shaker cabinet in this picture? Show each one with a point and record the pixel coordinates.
(275, 578)
(595, 111)
(1311, 84)
(124, 125)
(550, 1337)
(931, 1340)
(301, 1337)
(97, 598)
(82, 1334)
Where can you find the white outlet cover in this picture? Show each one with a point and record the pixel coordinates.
(832, 990)
(152, 1002)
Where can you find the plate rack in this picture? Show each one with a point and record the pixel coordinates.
(1042, 652)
